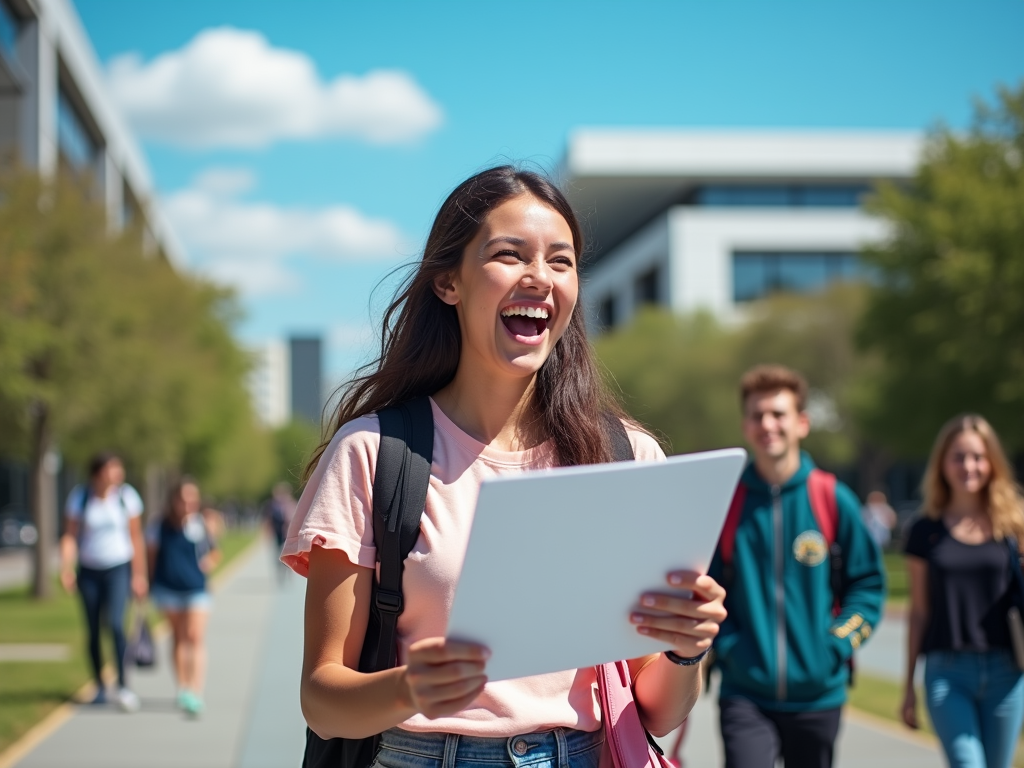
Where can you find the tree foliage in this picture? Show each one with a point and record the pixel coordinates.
(947, 315)
(680, 374)
(104, 347)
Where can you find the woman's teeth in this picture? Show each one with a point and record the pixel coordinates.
(540, 312)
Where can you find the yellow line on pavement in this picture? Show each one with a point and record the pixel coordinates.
(41, 730)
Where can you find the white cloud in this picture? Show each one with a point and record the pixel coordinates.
(247, 243)
(253, 277)
(230, 88)
(225, 182)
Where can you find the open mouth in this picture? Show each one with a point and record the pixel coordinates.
(528, 322)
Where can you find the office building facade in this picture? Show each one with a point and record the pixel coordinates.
(270, 383)
(694, 220)
(55, 115)
(306, 364)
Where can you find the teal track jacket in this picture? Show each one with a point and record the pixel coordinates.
(781, 647)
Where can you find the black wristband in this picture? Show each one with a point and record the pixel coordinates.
(684, 661)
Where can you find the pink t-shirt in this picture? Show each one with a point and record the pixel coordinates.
(336, 512)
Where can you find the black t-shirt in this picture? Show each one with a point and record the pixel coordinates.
(968, 589)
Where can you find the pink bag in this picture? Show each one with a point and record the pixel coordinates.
(625, 740)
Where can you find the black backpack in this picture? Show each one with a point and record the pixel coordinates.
(399, 495)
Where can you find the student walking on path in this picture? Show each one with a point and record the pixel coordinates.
(491, 328)
(182, 552)
(805, 588)
(963, 564)
(103, 537)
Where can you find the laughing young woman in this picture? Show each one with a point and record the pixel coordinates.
(490, 326)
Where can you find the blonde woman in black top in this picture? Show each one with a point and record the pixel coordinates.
(962, 583)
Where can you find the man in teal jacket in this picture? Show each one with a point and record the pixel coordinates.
(785, 647)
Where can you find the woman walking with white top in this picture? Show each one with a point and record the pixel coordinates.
(103, 537)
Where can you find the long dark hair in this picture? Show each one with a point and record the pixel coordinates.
(420, 341)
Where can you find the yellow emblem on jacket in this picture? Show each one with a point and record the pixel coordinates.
(810, 549)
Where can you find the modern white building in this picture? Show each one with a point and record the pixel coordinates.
(712, 219)
(55, 114)
(270, 383)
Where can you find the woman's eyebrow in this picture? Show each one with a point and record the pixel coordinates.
(518, 241)
(505, 239)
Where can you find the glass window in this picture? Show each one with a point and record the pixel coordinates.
(9, 28)
(606, 313)
(801, 272)
(750, 278)
(755, 275)
(75, 142)
(780, 195)
(647, 287)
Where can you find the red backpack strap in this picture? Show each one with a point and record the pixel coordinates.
(821, 488)
(727, 542)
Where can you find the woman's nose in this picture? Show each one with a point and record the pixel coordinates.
(537, 274)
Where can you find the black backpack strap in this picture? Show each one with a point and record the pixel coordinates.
(400, 483)
(622, 449)
(399, 495)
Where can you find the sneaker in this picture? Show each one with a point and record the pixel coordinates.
(193, 704)
(182, 698)
(100, 697)
(127, 700)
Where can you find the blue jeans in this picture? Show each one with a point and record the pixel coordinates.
(559, 748)
(976, 704)
(105, 596)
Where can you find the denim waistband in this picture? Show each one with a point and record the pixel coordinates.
(555, 747)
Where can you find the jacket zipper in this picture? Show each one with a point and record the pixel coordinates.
(780, 595)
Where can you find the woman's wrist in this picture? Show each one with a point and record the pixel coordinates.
(686, 661)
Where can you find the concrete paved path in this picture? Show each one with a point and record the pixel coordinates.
(253, 719)
(251, 696)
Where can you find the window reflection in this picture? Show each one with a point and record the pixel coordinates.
(780, 195)
(9, 28)
(756, 275)
(75, 142)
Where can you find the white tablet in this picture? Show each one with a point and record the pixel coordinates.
(558, 558)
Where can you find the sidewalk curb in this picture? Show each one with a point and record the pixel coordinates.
(64, 712)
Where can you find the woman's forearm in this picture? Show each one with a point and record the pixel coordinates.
(665, 693)
(68, 552)
(339, 702)
(915, 639)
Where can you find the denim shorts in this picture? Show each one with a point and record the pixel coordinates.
(558, 748)
(177, 600)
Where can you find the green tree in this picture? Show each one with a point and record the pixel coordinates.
(293, 445)
(680, 374)
(947, 315)
(102, 346)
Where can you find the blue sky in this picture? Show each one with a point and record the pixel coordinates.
(305, 208)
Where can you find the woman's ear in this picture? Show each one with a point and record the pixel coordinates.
(444, 287)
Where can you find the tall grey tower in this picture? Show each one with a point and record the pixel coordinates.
(306, 378)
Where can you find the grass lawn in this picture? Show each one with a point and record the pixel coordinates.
(881, 697)
(31, 690)
(896, 577)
